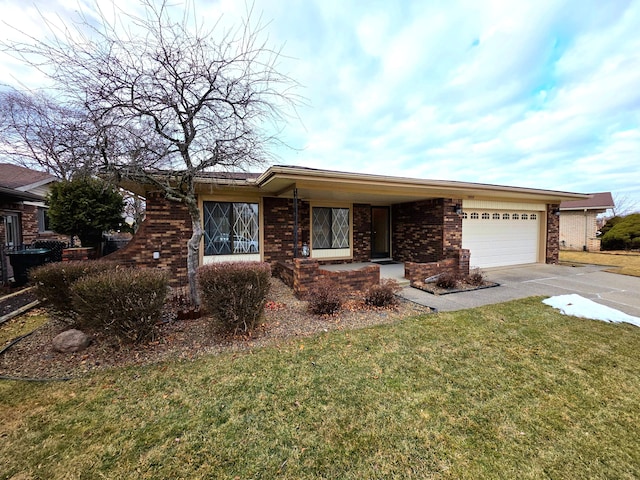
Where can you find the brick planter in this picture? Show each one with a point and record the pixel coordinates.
(302, 273)
(417, 272)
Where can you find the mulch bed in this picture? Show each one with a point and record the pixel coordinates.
(10, 303)
(285, 317)
(462, 287)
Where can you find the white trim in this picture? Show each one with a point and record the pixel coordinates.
(325, 253)
(497, 205)
(245, 257)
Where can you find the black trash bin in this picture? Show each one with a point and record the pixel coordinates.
(24, 260)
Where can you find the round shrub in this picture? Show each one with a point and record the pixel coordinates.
(127, 303)
(448, 280)
(325, 297)
(53, 283)
(383, 294)
(235, 293)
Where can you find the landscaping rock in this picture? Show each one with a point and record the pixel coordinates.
(71, 341)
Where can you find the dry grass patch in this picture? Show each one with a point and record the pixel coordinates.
(508, 391)
(625, 263)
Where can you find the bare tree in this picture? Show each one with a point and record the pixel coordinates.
(623, 205)
(195, 99)
(36, 131)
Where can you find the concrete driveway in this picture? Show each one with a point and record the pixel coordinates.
(617, 291)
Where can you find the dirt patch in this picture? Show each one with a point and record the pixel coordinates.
(285, 317)
(462, 287)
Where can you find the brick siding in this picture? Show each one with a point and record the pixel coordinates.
(166, 229)
(361, 233)
(553, 234)
(279, 228)
(578, 230)
(425, 231)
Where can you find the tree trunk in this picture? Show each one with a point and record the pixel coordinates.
(193, 250)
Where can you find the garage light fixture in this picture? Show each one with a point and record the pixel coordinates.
(457, 209)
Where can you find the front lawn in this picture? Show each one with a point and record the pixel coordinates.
(514, 390)
(625, 263)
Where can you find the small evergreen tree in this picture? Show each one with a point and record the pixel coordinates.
(624, 235)
(85, 207)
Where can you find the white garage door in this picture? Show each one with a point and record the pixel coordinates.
(497, 238)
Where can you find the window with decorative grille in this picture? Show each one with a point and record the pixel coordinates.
(231, 228)
(330, 227)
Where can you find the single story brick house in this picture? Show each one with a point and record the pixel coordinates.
(578, 221)
(22, 205)
(337, 217)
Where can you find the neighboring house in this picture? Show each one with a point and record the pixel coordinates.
(349, 217)
(23, 213)
(579, 224)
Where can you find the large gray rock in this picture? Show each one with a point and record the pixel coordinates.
(71, 341)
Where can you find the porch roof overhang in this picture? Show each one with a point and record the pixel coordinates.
(325, 185)
(14, 195)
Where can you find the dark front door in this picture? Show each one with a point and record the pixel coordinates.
(380, 232)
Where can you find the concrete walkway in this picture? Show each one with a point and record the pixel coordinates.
(621, 292)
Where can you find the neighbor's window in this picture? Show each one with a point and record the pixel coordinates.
(330, 227)
(231, 228)
(43, 219)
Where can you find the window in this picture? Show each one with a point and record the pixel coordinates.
(231, 228)
(474, 216)
(13, 236)
(330, 227)
(505, 216)
(525, 216)
(533, 216)
(464, 215)
(496, 216)
(43, 220)
(485, 216)
(515, 216)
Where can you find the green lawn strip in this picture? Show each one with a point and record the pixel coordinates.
(509, 391)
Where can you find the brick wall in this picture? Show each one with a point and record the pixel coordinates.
(553, 234)
(302, 273)
(578, 230)
(279, 228)
(425, 231)
(457, 264)
(166, 229)
(361, 232)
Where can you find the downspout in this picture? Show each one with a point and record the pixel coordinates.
(295, 223)
(586, 222)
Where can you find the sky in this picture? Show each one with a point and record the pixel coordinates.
(542, 94)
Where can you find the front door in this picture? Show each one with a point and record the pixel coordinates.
(380, 232)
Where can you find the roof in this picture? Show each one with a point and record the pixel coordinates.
(596, 201)
(280, 180)
(327, 185)
(21, 178)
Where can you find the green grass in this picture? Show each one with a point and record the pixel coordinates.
(624, 263)
(508, 391)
